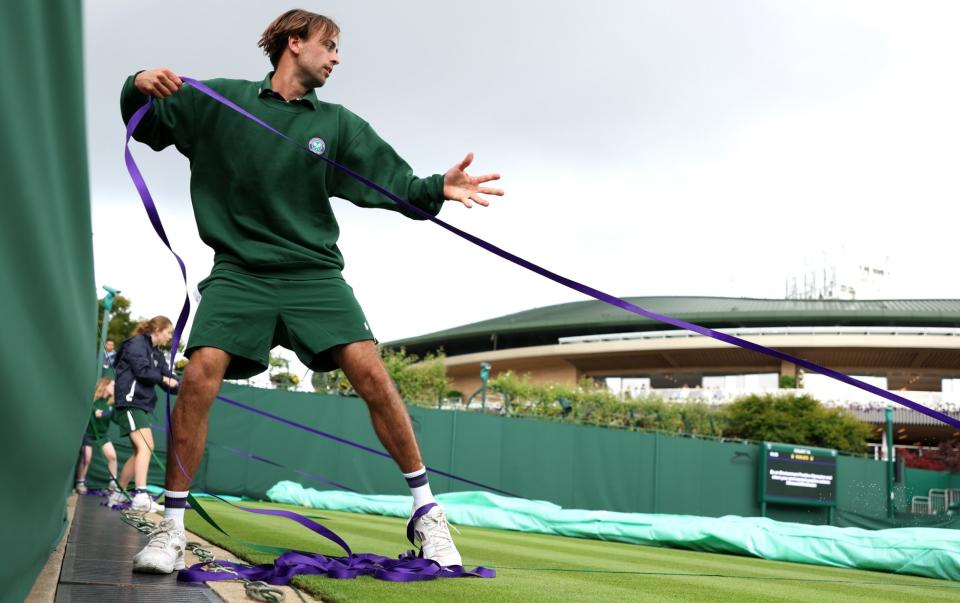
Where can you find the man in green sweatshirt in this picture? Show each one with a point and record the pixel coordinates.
(264, 207)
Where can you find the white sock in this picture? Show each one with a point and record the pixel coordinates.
(175, 504)
(419, 487)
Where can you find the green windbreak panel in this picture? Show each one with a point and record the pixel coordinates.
(538, 459)
(574, 466)
(930, 552)
(477, 449)
(679, 485)
(861, 486)
(728, 479)
(919, 482)
(604, 468)
(47, 292)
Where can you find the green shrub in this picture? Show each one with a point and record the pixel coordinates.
(795, 419)
(594, 404)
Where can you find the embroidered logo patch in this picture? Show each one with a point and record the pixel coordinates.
(316, 145)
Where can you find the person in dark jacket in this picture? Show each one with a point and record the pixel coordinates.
(141, 367)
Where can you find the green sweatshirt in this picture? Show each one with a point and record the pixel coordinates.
(261, 203)
(98, 426)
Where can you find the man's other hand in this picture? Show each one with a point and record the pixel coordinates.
(460, 186)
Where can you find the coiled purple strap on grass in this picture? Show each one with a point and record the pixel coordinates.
(408, 567)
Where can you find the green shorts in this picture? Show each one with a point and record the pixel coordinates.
(247, 316)
(131, 419)
(91, 439)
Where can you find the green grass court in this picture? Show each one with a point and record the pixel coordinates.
(533, 567)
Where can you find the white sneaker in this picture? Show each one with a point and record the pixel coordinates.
(433, 535)
(164, 551)
(141, 502)
(116, 498)
(81, 488)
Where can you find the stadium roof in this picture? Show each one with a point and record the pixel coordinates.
(544, 326)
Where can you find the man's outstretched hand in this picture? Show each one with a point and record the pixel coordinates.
(159, 83)
(460, 186)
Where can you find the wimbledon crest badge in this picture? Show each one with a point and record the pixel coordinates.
(317, 146)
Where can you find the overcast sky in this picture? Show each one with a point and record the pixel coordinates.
(647, 148)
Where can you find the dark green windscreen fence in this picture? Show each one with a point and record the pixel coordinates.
(47, 300)
(574, 466)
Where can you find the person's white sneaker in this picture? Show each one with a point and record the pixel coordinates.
(81, 488)
(116, 498)
(141, 502)
(433, 535)
(164, 551)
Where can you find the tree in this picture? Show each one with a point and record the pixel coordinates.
(417, 380)
(121, 324)
(280, 374)
(795, 419)
(946, 457)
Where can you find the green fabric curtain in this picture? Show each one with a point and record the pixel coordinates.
(47, 291)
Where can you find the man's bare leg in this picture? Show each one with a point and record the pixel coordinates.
(163, 554)
(362, 365)
(201, 382)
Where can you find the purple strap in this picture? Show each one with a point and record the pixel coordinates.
(317, 478)
(417, 515)
(587, 290)
(154, 216)
(304, 521)
(408, 567)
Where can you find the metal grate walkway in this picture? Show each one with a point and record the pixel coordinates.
(97, 564)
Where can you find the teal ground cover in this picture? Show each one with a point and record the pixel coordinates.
(930, 552)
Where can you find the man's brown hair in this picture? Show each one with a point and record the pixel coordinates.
(296, 22)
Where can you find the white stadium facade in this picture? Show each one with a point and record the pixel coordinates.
(908, 346)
